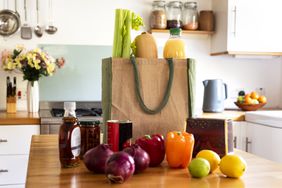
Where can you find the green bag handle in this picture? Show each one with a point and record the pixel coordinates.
(138, 93)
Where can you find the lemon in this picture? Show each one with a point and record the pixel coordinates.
(232, 165)
(212, 157)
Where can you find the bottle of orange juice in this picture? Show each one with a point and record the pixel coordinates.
(175, 46)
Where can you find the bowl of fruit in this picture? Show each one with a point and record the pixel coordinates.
(250, 101)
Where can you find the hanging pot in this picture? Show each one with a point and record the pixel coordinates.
(9, 21)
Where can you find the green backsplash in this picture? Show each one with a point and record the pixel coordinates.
(80, 78)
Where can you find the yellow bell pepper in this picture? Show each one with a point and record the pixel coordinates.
(179, 149)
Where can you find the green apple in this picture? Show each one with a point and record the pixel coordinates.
(241, 99)
(199, 167)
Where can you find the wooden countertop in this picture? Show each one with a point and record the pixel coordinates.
(19, 118)
(235, 115)
(25, 118)
(44, 171)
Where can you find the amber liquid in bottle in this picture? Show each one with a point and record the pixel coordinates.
(69, 140)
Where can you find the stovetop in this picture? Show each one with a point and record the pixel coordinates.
(80, 112)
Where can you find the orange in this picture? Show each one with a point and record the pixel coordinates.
(262, 99)
(247, 95)
(248, 100)
(254, 95)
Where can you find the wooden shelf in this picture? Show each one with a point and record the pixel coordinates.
(246, 53)
(196, 32)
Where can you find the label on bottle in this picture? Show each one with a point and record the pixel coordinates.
(75, 141)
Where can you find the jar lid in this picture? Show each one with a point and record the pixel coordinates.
(89, 123)
(175, 4)
(159, 3)
(190, 5)
(175, 31)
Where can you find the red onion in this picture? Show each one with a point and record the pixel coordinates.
(140, 156)
(95, 158)
(119, 167)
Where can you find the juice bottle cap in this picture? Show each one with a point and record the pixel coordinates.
(175, 31)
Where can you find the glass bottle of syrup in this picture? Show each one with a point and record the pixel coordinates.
(69, 137)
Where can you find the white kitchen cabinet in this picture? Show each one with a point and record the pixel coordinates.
(239, 134)
(14, 152)
(247, 27)
(13, 169)
(264, 141)
(16, 139)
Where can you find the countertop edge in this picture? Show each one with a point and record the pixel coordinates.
(19, 118)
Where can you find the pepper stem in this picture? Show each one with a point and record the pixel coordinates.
(178, 133)
(147, 136)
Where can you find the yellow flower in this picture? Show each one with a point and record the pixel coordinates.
(30, 59)
(50, 68)
(9, 65)
(18, 62)
(37, 50)
(20, 47)
(36, 64)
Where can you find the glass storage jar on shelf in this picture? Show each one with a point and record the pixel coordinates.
(174, 14)
(158, 15)
(190, 16)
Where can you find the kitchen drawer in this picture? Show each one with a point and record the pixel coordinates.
(16, 139)
(13, 169)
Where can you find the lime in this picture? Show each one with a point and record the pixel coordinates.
(212, 157)
(232, 165)
(199, 167)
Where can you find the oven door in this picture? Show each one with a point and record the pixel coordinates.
(50, 125)
(50, 128)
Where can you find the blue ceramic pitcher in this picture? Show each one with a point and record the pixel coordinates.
(215, 92)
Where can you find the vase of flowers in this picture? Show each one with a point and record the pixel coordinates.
(33, 64)
(32, 93)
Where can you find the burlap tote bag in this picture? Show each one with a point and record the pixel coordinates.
(155, 94)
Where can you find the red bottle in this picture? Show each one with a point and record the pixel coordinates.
(69, 138)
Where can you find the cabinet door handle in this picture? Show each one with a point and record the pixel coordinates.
(235, 20)
(3, 140)
(247, 144)
(235, 141)
(3, 170)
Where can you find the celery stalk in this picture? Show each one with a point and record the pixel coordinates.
(127, 35)
(125, 20)
(117, 44)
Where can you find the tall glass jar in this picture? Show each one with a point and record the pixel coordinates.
(90, 135)
(190, 16)
(174, 14)
(158, 15)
